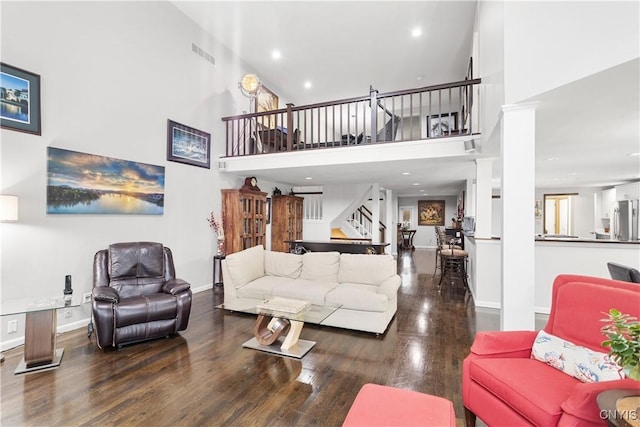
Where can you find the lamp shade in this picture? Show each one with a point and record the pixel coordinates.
(250, 84)
(8, 208)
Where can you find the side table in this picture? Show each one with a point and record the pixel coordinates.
(620, 407)
(40, 350)
(217, 269)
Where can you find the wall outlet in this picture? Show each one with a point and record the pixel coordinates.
(12, 326)
(86, 297)
(67, 313)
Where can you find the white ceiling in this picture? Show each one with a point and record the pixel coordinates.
(588, 127)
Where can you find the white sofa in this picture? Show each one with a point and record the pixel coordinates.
(365, 286)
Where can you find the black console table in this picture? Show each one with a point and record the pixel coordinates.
(342, 246)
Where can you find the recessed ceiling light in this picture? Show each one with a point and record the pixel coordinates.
(571, 173)
(419, 78)
(422, 191)
(276, 54)
(416, 183)
(552, 159)
(406, 173)
(633, 154)
(307, 84)
(308, 177)
(416, 32)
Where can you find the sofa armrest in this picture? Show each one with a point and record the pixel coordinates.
(582, 403)
(390, 286)
(503, 343)
(175, 286)
(105, 293)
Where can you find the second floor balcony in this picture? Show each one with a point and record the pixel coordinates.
(440, 111)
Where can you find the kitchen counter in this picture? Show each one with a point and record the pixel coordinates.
(582, 240)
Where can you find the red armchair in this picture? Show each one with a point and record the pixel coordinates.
(503, 386)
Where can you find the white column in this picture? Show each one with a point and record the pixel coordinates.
(391, 221)
(484, 176)
(375, 213)
(518, 222)
(470, 202)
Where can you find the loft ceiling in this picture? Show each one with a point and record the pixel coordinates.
(587, 128)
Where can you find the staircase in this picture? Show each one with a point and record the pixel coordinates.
(355, 221)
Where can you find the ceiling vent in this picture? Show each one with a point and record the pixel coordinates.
(203, 53)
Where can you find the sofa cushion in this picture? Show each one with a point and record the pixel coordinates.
(320, 266)
(368, 269)
(282, 264)
(356, 296)
(537, 399)
(262, 287)
(582, 363)
(313, 291)
(246, 265)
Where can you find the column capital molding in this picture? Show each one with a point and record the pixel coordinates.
(523, 106)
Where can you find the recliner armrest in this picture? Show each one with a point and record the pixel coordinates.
(175, 286)
(105, 293)
(582, 402)
(503, 343)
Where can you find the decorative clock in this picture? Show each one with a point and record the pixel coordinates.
(251, 183)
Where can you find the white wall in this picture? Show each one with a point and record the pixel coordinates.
(551, 259)
(490, 61)
(112, 74)
(547, 45)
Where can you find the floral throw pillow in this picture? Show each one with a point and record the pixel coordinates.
(580, 362)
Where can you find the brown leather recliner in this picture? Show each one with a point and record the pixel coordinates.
(136, 295)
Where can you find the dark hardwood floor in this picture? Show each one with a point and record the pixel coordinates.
(205, 377)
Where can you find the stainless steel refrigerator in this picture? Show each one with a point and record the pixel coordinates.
(625, 220)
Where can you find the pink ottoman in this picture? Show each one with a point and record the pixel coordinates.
(378, 405)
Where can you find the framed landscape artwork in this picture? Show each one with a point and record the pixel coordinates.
(188, 145)
(81, 183)
(431, 212)
(19, 100)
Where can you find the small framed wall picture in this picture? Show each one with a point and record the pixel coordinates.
(188, 145)
(19, 100)
(441, 125)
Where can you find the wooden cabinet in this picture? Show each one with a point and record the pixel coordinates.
(286, 221)
(244, 218)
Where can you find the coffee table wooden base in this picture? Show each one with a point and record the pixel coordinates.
(267, 338)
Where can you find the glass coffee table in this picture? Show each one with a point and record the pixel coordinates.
(271, 325)
(40, 350)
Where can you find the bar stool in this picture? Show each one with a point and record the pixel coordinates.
(453, 265)
(443, 242)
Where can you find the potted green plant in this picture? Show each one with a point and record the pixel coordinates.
(623, 341)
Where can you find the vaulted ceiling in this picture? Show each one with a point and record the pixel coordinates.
(585, 131)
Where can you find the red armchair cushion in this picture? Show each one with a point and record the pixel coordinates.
(537, 398)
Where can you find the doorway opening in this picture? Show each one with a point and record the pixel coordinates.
(558, 216)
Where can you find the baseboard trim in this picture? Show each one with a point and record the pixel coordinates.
(82, 323)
